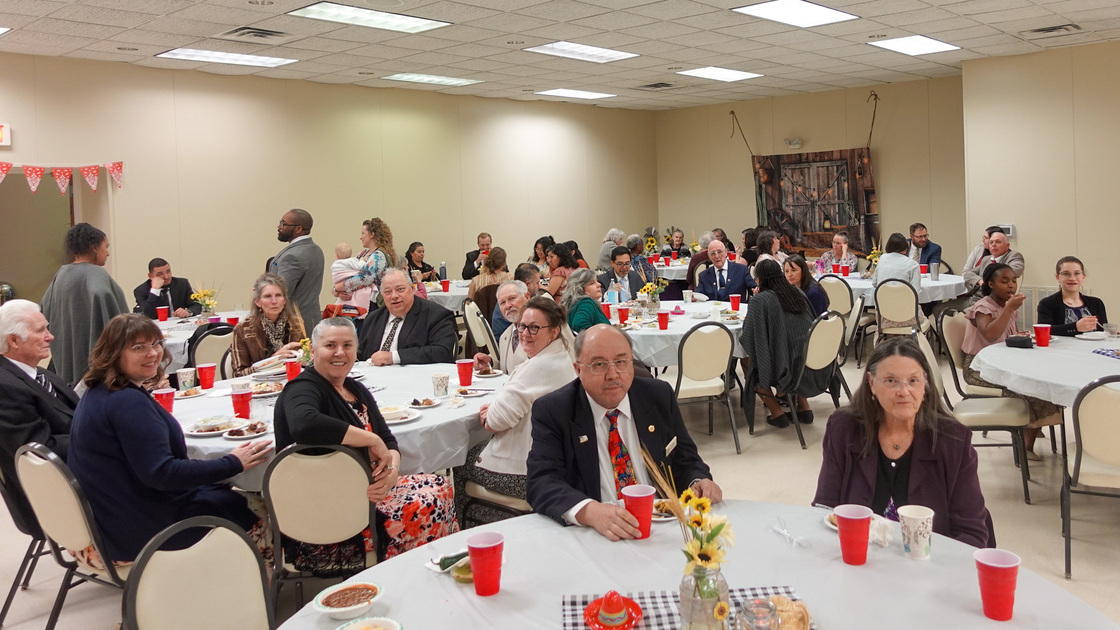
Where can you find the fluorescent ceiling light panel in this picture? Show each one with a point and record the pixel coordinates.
(4, 29)
(343, 14)
(565, 93)
(796, 12)
(210, 56)
(915, 45)
(430, 79)
(719, 74)
(581, 52)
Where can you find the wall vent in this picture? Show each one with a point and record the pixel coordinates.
(656, 87)
(1050, 31)
(256, 35)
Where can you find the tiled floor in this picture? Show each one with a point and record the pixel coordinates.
(772, 468)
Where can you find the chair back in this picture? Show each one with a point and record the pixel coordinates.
(317, 494)
(696, 271)
(476, 328)
(226, 366)
(1096, 429)
(487, 331)
(853, 321)
(222, 575)
(705, 352)
(209, 346)
(487, 298)
(934, 368)
(896, 300)
(826, 336)
(950, 327)
(839, 293)
(944, 267)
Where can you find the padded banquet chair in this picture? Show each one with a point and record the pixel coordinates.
(317, 495)
(897, 301)
(695, 279)
(479, 494)
(487, 298)
(25, 522)
(226, 366)
(478, 329)
(704, 370)
(950, 327)
(839, 293)
(1095, 468)
(223, 574)
(854, 328)
(944, 267)
(209, 345)
(67, 521)
(985, 414)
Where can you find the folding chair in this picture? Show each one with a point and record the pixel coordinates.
(704, 372)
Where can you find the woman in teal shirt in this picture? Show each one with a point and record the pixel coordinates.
(580, 300)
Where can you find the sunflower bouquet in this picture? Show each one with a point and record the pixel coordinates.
(304, 355)
(654, 289)
(207, 298)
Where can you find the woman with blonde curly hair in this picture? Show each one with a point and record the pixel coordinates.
(379, 256)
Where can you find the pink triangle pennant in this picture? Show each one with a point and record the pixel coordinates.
(4, 168)
(34, 175)
(116, 169)
(62, 178)
(90, 174)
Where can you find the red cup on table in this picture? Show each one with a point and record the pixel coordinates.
(835, 267)
(486, 562)
(606, 306)
(638, 500)
(232, 321)
(446, 284)
(162, 312)
(466, 371)
(845, 270)
(1042, 335)
(241, 399)
(998, 571)
(663, 320)
(165, 398)
(667, 261)
(292, 368)
(674, 254)
(924, 268)
(623, 314)
(731, 256)
(657, 258)
(854, 523)
(206, 372)
(735, 301)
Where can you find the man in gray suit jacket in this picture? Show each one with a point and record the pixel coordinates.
(300, 264)
(1001, 252)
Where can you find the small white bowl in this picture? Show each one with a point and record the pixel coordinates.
(394, 412)
(348, 612)
(371, 622)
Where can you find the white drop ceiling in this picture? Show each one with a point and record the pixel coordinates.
(487, 38)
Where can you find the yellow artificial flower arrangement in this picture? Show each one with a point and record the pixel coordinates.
(305, 351)
(653, 289)
(207, 298)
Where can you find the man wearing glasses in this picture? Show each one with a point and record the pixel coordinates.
(300, 264)
(588, 437)
(628, 280)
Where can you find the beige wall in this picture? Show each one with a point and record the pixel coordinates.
(211, 162)
(1041, 133)
(704, 175)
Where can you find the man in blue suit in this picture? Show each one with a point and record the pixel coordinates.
(721, 279)
(921, 248)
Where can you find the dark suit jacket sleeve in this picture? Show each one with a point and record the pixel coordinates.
(372, 331)
(439, 347)
(26, 416)
(685, 459)
(706, 283)
(932, 254)
(469, 270)
(741, 280)
(184, 298)
(146, 301)
(552, 480)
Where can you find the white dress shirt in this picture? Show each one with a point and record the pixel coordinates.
(30, 370)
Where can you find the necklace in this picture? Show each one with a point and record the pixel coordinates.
(895, 444)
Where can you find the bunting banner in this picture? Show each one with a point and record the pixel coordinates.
(90, 174)
(116, 169)
(34, 175)
(62, 178)
(4, 168)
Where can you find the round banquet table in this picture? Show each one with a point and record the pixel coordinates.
(454, 299)
(177, 333)
(1055, 373)
(658, 348)
(946, 287)
(545, 562)
(439, 439)
(676, 271)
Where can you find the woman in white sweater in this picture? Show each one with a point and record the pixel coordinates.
(499, 465)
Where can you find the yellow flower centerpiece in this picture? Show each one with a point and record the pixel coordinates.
(304, 351)
(207, 298)
(653, 291)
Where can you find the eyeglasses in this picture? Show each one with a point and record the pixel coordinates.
(530, 329)
(1069, 274)
(620, 264)
(282, 224)
(914, 383)
(600, 367)
(144, 347)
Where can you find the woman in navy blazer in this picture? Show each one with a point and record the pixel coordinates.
(897, 445)
(129, 454)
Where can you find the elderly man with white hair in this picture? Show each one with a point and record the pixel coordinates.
(613, 239)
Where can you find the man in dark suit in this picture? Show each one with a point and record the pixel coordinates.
(407, 330)
(721, 279)
(35, 405)
(588, 436)
(923, 250)
(300, 264)
(629, 282)
(163, 289)
(477, 257)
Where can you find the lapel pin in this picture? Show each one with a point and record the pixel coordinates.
(582, 439)
(651, 428)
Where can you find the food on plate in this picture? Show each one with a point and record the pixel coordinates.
(394, 412)
(270, 363)
(486, 369)
(462, 572)
(832, 519)
(194, 391)
(370, 625)
(425, 402)
(266, 388)
(463, 391)
(350, 596)
(215, 424)
(255, 428)
(794, 615)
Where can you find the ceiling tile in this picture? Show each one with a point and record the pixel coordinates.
(51, 40)
(334, 79)
(298, 26)
(504, 5)
(463, 33)
(219, 15)
(37, 8)
(99, 55)
(433, 58)
(615, 21)
(672, 9)
(973, 7)
(13, 20)
(483, 65)
(168, 64)
(996, 17)
(736, 46)
(322, 44)
(98, 15)
(454, 12)
(562, 10)
(111, 46)
(228, 69)
(152, 38)
(916, 18)
(616, 41)
(317, 67)
(562, 32)
(285, 73)
(360, 34)
(510, 23)
(185, 27)
(67, 27)
(152, 7)
(700, 38)
(660, 30)
(884, 7)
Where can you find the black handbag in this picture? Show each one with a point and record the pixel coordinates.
(1019, 341)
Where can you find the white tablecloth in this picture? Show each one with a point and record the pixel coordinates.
(545, 561)
(658, 348)
(178, 332)
(677, 271)
(946, 287)
(454, 299)
(439, 439)
(1055, 373)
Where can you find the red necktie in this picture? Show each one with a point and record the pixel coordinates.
(620, 456)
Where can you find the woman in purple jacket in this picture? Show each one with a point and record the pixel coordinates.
(896, 445)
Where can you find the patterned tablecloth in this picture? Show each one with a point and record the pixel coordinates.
(659, 608)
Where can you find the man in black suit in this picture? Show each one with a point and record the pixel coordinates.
(629, 282)
(163, 289)
(477, 257)
(407, 330)
(572, 474)
(721, 279)
(35, 404)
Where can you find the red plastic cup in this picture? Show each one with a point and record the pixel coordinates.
(241, 399)
(623, 314)
(854, 523)
(674, 254)
(606, 306)
(292, 368)
(638, 500)
(232, 321)
(668, 261)
(1042, 335)
(924, 268)
(206, 373)
(998, 571)
(486, 562)
(835, 267)
(735, 300)
(663, 320)
(162, 312)
(657, 258)
(215, 319)
(446, 285)
(165, 398)
(731, 256)
(845, 270)
(466, 371)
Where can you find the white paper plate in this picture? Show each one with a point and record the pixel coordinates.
(236, 422)
(436, 403)
(227, 436)
(1097, 335)
(268, 394)
(408, 417)
(200, 393)
(828, 523)
(471, 395)
(491, 375)
(268, 376)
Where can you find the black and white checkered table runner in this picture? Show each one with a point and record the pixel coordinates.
(659, 608)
